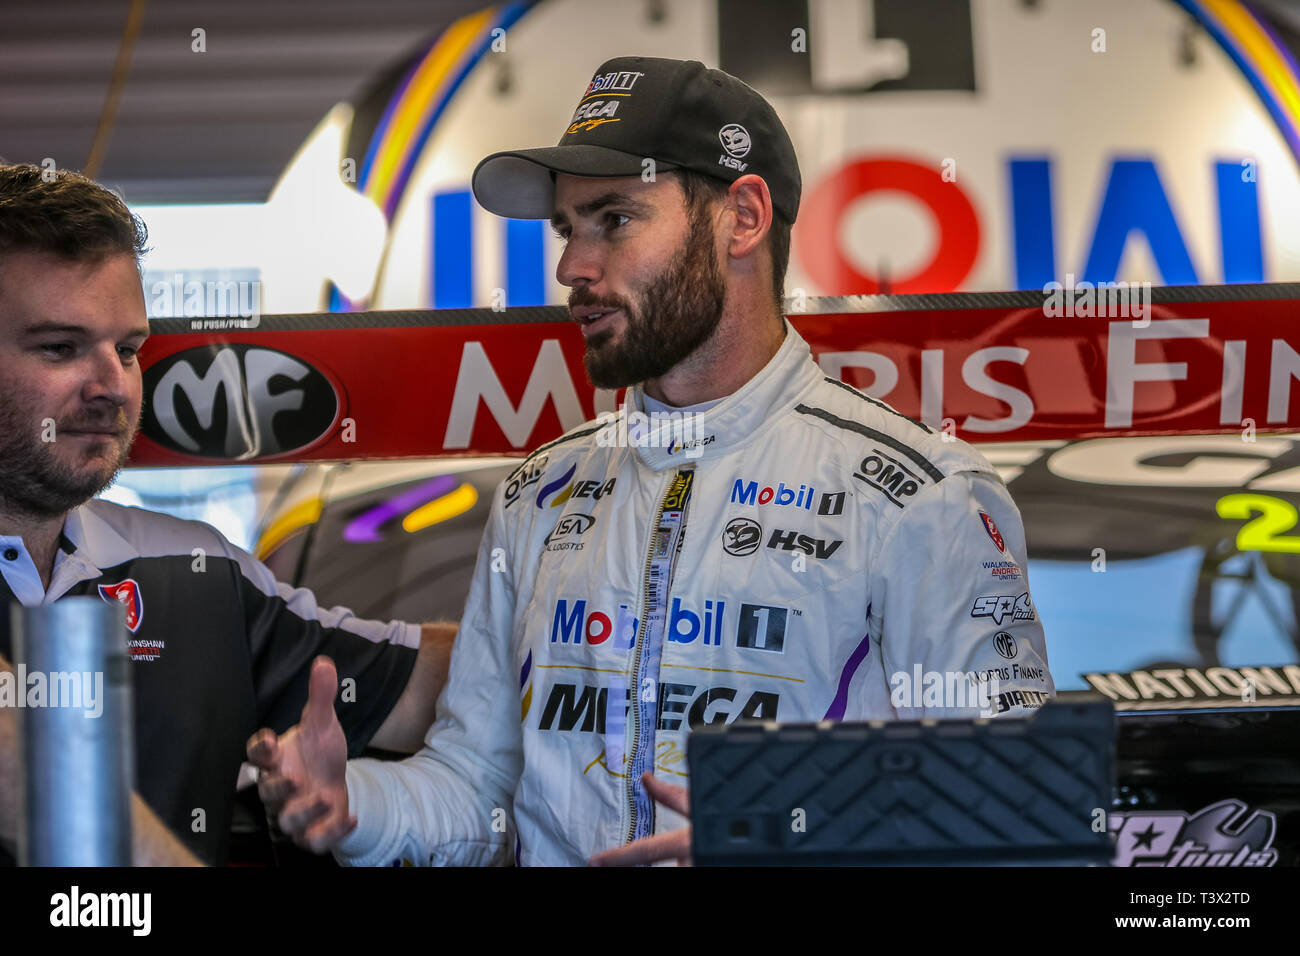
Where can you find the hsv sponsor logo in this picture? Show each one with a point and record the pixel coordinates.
(583, 707)
(1005, 645)
(991, 527)
(1223, 834)
(749, 493)
(570, 526)
(529, 473)
(126, 593)
(831, 503)
(1003, 606)
(735, 140)
(741, 537)
(793, 541)
(888, 476)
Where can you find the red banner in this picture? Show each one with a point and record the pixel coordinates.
(984, 366)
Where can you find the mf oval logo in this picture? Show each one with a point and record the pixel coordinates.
(236, 402)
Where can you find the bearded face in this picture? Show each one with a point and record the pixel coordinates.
(667, 317)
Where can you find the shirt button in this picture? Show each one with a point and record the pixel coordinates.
(11, 554)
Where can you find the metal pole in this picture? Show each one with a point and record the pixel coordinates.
(76, 766)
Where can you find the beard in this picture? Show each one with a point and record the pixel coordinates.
(677, 312)
(35, 482)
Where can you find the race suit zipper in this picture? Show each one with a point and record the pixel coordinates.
(665, 543)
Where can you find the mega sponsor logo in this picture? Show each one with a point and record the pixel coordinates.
(742, 537)
(693, 445)
(1005, 645)
(569, 527)
(831, 503)
(760, 627)
(584, 707)
(1000, 607)
(1220, 835)
(127, 594)
(236, 402)
(794, 541)
(749, 493)
(592, 488)
(529, 473)
(889, 476)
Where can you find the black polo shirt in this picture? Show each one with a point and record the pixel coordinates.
(218, 648)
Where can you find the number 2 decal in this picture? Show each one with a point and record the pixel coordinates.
(1268, 531)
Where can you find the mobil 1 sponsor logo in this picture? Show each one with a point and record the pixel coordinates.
(757, 494)
(886, 474)
(757, 627)
(1004, 607)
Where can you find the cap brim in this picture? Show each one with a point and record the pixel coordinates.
(517, 183)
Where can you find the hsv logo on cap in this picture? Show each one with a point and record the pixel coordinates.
(126, 593)
(993, 531)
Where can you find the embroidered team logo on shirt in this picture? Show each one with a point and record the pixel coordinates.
(126, 593)
(993, 531)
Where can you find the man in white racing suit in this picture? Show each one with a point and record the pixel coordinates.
(746, 538)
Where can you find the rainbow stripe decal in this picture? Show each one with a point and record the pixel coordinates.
(1261, 56)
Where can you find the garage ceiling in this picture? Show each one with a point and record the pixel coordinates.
(196, 127)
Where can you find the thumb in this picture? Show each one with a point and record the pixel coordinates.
(318, 715)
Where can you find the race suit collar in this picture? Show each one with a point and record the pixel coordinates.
(739, 419)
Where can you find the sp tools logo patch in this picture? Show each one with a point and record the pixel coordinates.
(1223, 834)
(741, 536)
(1003, 606)
(991, 527)
(126, 593)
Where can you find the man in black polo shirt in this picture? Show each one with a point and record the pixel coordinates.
(218, 647)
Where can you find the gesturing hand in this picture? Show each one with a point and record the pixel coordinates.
(303, 773)
(674, 845)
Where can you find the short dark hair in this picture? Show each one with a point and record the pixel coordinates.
(701, 190)
(65, 214)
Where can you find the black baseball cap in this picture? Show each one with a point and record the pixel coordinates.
(679, 113)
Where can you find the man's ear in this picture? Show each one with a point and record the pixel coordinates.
(751, 201)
